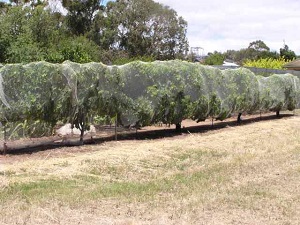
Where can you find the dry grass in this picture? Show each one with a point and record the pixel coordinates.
(238, 175)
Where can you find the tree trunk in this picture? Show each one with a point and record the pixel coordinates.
(277, 113)
(239, 120)
(178, 127)
(81, 136)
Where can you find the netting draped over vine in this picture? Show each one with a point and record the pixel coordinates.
(43, 93)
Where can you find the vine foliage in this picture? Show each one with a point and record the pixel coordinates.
(136, 93)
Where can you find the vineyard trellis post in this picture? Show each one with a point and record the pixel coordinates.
(4, 138)
(116, 125)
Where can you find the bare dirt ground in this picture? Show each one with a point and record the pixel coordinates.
(107, 133)
(228, 174)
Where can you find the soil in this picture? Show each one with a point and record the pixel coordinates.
(58, 145)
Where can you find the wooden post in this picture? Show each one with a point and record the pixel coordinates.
(82, 125)
(260, 114)
(81, 134)
(116, 124)
(5, 139)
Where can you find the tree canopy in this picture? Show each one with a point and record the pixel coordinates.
(122, 30)
(258, 50)
(286, 53)
(88, 31)
(215, 58)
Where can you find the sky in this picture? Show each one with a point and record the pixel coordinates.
(220, 25)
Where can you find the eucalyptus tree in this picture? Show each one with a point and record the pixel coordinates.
(255, 50)
(81, 14)
(143, 28)
(259, 45)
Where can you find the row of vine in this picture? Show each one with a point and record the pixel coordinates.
(138, 93)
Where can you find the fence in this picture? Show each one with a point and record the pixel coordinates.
(263, 71)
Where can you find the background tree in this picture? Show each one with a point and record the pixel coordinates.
(215, 58)
(15, 37)
(255, 50)
(76, 49)
(31, 3)
(286, 53)
(35, 33)
(124, 29)
(259, 46)
(144, 28)
(81, 15)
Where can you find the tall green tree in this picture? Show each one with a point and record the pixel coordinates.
(215, 58)
(124, 29)
(104, 31)
(15, 36)
(259, 46)
(286, 53)
(143, 28)
(32, 3)
(255, 50)
(81, 14)
(34, 33)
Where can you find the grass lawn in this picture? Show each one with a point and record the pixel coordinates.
(247, 174)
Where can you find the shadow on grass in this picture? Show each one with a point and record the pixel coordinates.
(146, 134)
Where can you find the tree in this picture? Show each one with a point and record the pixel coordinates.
(32, 3)
(216, 58)
(81, 15)
(76, 49)
(143, 28)
(140, 29)
(286, 53)
(26, 34)
(258, 46)
(104, 30)
(14, 35)
(46, 27)
(34, 33)
(256, 50)
(19, 2)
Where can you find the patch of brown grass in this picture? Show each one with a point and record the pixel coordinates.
(238, 175)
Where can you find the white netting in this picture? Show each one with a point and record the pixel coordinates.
(35, 96)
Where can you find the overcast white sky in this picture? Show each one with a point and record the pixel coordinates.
(232, 24)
